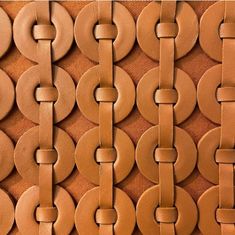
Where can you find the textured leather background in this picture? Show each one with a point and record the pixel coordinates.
(136, 64)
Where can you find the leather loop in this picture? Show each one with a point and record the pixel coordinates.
(105, 31)
(106, 155)
(44, 32)
(165, 155)
(227, 30)
(166, 96)
(106, 216)
(225, 156)
(46, 94)
(46, 214)
(226, 94)
(225, 216)
(106, 94)
(166, 214)
(167, 30)
(46, 156)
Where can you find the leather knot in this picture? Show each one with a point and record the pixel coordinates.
(166, 96)
(227, 30)
(105, 31)
(106, 216)
(44, 32)
(46, 156)
(46, 214)
(166, 214)
(225, 156)
(106, 155)
(46, 94)
(225, 216)
(168, 155)
(226, 94)
(167, 30)
(106, 94)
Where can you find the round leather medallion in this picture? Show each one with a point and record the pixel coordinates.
(26, 19)
(88, 18)
(87, 206)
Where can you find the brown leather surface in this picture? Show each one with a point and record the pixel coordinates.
(136, 64)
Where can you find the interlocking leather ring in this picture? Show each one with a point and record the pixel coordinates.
(5, 32)
(86, 210)
(88, 18)
(209, 30)
(7, 92)
(25, 93)
(86, 90)
(23, 25)
(148, 85)
(6, 212)
(28, 203)
(186, 154)
(208, 203)
(146, 29)
(6, 155)
(206, 93)
(148, 203)
(25, 155)
(86, 149)
(207, 147)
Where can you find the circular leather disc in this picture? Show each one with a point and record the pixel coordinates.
(147, 87)
(29, 201)
(149, 201)
(206, 93)
(25, 94)
(5, 32)
(25, 155)
(87, 206)
(85, 155)
(186, 154)
(88, 18)
(86, 90)
(6, 212)
(207, 147)
(210, 40)
(146, 29)
(25, 21)
(207, 205)
(7, 91)
(6, 156)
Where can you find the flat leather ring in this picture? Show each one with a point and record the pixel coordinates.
(25, 155)
(207, 205)
(7, 93)
(86, 99)
(209, 30)
(5, 32)
(89, 203)
(149, 201)
(88, 18)
(6, 156)
(148, 85)
(146, 30)
(6, 212)
(23, 25)
(206, 93)
(186, 154)
(29, 201)
(207, 147)
(25, 94)
(85, 155)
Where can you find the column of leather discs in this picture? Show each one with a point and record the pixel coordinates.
(105, 33)
(44, 155)
(166, 96)
(216, 98)
(7, 96)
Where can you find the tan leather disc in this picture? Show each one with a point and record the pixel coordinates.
(25, 94)
(86, 210)
(7, 92)
(25, 155)
(207, 147)
(6, 213)
(29, 201)
(6, 156)
(147, 87)
(207, 205)
(26, 19)
(187, 29)
(88, 18)
(148, 203)
(210, 40)
(5, 32)
(86, 90)
(206, 93)
(186, 154)
(86, 149)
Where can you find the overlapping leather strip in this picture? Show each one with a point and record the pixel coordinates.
(166, 96)
(105, 33)
(216, 102)
(44, 155)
